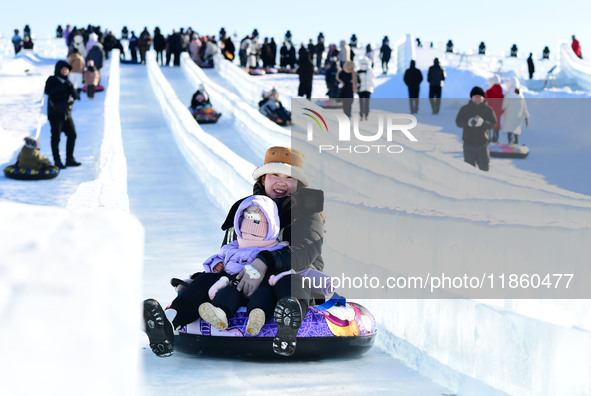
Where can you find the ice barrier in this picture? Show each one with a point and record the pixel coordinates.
(109, 189)
(573, 70)
(224, 174)
(259, 132)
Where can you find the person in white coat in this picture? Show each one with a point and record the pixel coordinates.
(366, 86)
(514, 111)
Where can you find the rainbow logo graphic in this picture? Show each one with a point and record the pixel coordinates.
(312, 116)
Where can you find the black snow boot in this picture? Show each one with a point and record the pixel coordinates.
(72, 162)
(288, 316)
(158, 329)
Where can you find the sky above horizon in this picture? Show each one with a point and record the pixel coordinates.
(531, 25)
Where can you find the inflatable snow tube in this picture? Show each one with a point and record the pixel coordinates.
(338, 331)
(98, 88)
(271, 70)
(286, 70)
(14, 172)
(330, 103)
(500, 150)
(256, 72)
(205, 64)
(130, 61)
(210, 118)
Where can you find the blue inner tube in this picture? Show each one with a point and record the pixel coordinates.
(14, 172)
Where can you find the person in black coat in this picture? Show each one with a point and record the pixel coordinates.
(175, 46)
(306, 73)
(385, 54)
(61, 95)
(476, 119)
(413, 78)
(435, 76)
(229, 48)
(159, 42)
(482, 48)
(449, 47)
(530, 66)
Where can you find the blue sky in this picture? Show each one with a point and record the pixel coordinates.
(499, 23)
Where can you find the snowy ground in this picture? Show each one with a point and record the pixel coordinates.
(179, 181)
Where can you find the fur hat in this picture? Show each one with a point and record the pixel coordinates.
(477, 91)
(283, 160)
(31, 143)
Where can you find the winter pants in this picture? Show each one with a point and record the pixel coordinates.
(512, 138)
(364, 103)
(66, 125)
(435, 97)
(477, 155)
(413, 98)
(90, 89)
(347, 105)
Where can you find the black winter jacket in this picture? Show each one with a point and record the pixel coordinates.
(476, 136)
(61, 93)
(304, 232)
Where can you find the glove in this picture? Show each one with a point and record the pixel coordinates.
(250, 278)
(475, 121)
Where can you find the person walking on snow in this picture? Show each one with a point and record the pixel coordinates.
(413, 78)
(476, 119)
(61, 95)
(514, 111)
(366, 86)
(530, 66)
(435, 76)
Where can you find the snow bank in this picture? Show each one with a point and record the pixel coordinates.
(109, 189)
(70, 314)
(573, 70)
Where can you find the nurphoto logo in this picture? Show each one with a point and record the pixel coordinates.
(349, 133)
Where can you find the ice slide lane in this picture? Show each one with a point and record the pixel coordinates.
(163, 192)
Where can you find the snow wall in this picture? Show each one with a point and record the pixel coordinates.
(72, 274)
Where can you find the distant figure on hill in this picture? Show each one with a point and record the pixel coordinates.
(413, 78)
(546, 53)
(124, 33)
(530, 66)
(419, 44)
(28, 43)
(17, 42)
(482, 48)
(385, 54)
(59, 32)
(514, 50)
(366, 86)
(435, 76)
(449, 47)
(576, 47)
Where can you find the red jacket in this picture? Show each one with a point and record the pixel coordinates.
(576, 47)
(494, 97)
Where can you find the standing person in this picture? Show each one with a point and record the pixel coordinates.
(576, 46)
(281, 178)
(530, 66)
(175, 44)
(494, 98)
(77, 62)
(348, 83)
(369, 54)
(413, 78)
(17, 41)
(514, 111)
(61, 95)
(28, 43)
(476, 118)
(319, 47)
(385, 54)
(435, 77)
(366, 86)
(133, 45)
(344, 55)
(159, 45)
(306, 73)
(144, 44)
